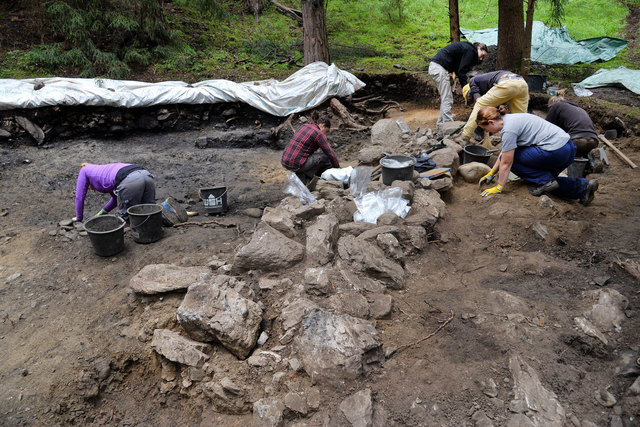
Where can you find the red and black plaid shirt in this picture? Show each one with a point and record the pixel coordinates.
(303, 144)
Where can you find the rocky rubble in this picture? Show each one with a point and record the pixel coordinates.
(295, 310)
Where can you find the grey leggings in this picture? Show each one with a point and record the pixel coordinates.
(137, 188)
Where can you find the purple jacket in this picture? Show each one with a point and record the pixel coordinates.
(102, 178)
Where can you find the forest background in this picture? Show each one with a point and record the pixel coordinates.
(195, 40)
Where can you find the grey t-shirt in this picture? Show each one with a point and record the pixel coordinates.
(524, 129)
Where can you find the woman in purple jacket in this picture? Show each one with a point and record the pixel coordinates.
(128, 185)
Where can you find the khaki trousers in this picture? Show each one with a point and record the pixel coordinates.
(513, 92)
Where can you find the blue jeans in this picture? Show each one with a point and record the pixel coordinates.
(538, 167)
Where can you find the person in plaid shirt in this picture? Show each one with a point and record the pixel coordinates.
(300, 155)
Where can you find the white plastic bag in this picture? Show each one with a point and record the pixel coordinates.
(337, 174)
(359, 181)
(293, 185)
(372, 205)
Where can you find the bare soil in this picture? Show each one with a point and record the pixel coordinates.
(75, 340)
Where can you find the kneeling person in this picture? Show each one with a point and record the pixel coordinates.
(300, 155)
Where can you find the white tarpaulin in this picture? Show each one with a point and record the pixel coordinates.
(303, 90)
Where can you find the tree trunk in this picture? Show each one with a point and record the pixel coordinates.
(526, 48)
(314, 31)
(255, 7)
(454, 21)
(511, 35)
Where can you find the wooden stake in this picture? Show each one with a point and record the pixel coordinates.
(618, 152)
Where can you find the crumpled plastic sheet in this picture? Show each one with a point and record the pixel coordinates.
(359, 180)
(295, 187)
(555, 46)
(372, 205)
(303, 90)
(620, 76)
(337, 174)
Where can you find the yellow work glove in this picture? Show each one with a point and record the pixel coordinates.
(487, 178)
(493, 190)
(101, 212)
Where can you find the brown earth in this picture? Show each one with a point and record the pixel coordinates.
(75, 340)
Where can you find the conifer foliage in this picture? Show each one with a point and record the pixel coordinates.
(103, 38)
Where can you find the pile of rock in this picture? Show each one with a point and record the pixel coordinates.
(302, 296)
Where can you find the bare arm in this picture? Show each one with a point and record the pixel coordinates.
(504, 163)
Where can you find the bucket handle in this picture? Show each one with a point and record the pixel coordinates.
(139, 225)
(225, 192)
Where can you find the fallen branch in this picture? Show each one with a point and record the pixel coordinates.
(276, 130)
(631, 267)
(618, 152)
(406, 346)
(213, 221)
(292, 13)
(345, 115)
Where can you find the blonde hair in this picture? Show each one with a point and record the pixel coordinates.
(554, 99)
(490, 113)
(84, 164)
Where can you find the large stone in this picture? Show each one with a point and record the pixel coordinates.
(472, 172)
(607, 312)
(268, 412)
(351, 303)
(225, 399)
(334, 348)
(369, 258)
(213, 311)
(321, 238)
(159, 278)
(386, 133)
(180, 349)
(379, 305)
(268, 250)
(358, 408)
(280, 219)
(371, 154)
(428, 201)
(308, 212)
(295, 311)
(316, 281)
(446, 158)
(33, 129)
(452, 144)
(540, 404)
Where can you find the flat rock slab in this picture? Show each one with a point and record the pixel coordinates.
(268, 250)
(160, 278)
(180, 349)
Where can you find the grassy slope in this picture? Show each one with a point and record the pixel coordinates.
(363, 35)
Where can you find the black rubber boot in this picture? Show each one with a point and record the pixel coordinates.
(589, 193)
(545, 188)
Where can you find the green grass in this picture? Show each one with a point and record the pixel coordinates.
(368, 35)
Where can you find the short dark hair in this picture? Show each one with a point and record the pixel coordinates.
(481, 46)
(320, 119)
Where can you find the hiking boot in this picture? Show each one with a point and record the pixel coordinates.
(589, 192)
(545, 188)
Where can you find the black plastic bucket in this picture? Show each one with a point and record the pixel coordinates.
(106, 233)
(475, 153)
(397, 168)
(576, 169)
(537, 82)
(146, 222)
(214, 199)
